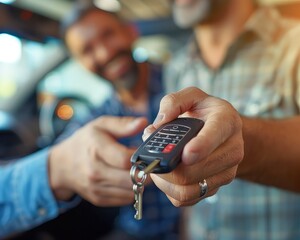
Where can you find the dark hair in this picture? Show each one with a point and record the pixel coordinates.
(78, 11)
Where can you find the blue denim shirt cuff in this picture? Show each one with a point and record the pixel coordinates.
(65, 205)
(27, 200)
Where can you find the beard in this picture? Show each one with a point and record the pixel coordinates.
(125, 81)
(189, 15)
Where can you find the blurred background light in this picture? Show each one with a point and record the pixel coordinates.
(10, 48)
(65, 112)
(7, 1)
(140, 54)
(7, 87)
(108, 5)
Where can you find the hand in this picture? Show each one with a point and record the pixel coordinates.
(213, 154)
(93, 164)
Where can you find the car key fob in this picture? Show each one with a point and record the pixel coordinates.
(166, 144)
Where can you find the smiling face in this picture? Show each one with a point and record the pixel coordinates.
(103, 44)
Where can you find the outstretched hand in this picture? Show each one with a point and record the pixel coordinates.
(93, 164)
(213, 155)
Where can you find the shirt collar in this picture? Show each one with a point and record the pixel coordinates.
(265, 23)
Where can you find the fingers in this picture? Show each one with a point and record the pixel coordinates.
(218, 128)
(221, 120)
(109, 196)
(175, 104)
(106, 186)
(212, 155)
(93, 164)
(182, 184)
(109, 176)
(228, 155)
(111, 152)
(120, 127)
(102, 139)
(186, 195)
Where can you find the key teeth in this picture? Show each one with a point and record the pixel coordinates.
(137, 216)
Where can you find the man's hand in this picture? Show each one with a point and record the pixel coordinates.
(213, 154)
(93, 164)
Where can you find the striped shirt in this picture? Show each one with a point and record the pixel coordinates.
(260, 76)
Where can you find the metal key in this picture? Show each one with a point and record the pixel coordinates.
(138, 197)
(138, 178)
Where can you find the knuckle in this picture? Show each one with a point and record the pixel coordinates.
(93, 176)
(193, 89)
(169, 99)
(228, 178)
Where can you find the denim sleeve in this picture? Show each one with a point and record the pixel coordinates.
(26, 199)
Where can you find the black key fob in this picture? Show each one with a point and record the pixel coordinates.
(166, 144)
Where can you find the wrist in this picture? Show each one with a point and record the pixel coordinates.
(57, 173)
(250, 167)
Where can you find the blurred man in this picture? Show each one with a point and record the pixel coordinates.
(250, 57)
(102, 43)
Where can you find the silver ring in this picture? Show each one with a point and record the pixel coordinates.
(203, 188)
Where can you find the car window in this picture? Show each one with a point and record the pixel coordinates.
(21, 64)
(71, 79)
(68, 92)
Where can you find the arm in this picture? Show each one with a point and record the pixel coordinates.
(90, 163)
(26, 199)
(272, 152)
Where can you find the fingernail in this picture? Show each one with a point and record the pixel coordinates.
(146, 133)
(158, 118)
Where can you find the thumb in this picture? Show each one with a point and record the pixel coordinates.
(178, 103)
(120, 126)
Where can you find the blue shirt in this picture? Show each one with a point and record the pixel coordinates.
(26, 199)
(159, 215)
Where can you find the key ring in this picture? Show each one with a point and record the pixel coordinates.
(134, 175)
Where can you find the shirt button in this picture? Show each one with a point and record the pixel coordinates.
(42, 211)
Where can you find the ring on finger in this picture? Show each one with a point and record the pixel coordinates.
(203, 188)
